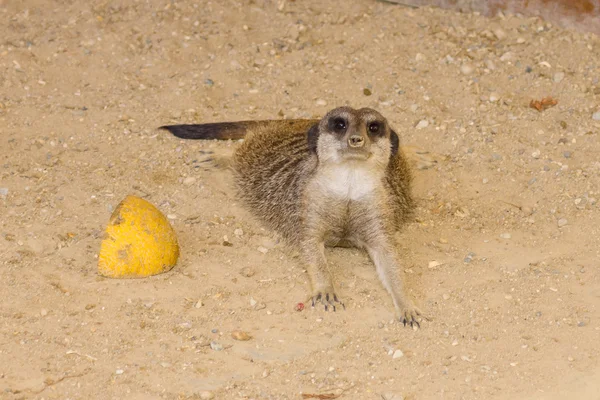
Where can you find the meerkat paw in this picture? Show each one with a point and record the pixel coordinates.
(408, 316)
(328, 298)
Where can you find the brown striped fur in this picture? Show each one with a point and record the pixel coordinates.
(305, 180)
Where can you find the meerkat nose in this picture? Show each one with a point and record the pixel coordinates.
(356, 141)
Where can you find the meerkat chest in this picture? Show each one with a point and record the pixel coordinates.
(348, 182)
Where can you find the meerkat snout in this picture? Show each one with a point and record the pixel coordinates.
(356, 141)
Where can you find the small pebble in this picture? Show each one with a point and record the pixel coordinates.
(558, 77)
(392, 396)
(434, 264)
(252, 302)
(241, 335)
(536, 154)
(397, 354)
(505, 235)
(3, 192)
(468, 258)
(580, 324)
(567, 154)
(367, 92)
(563, 124)
(422, 124)
(185, 325)
(596, 116)
(119, 372)
(262, 249)
(209, 82)
(199, 304)
(214, 330)
(206, 395)
(216, 346)
(238, 232)
(321, 102)
(466, 69)
(247, 272)
(499, 33)
(562, 222)
(43, 312)
(189, 180)
(494, 97)
(445, 296)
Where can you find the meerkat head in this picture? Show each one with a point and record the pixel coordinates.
(347, 134)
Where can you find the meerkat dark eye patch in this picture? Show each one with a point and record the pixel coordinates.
(312, 137)
(338, 125)
(375, 128)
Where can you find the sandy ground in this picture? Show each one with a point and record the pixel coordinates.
(503, 254)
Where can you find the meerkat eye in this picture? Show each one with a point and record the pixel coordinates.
(374, 127)
(339, 124)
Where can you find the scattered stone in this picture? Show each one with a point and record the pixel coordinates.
(190, 180)
(596, 116)
(252, 302)
(567, 154)
(505, 235)
(466, 69)
(43, 312)
(321, 102)
(119, 372)
(563, 124)
(581, 324)
(299, 307)
(238, 232)
(520, 40)
(226, 241)
(397, 354)
(262, 249)
(199, 304)
(562, 222)
(392, 396)
(216, 346)
(506, 56)
(468, 258)
(445, 296)
(536, 154)
(419, 57)
(434, 264)
(209, 82)
(247, 272)
(206, 395)
(494, 97)
(185, 326)
(422, 124)
(367, 92)
(499, 33)
(3, 192)
(558, 77)
(241, 335)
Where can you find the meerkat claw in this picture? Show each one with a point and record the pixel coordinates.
(329, 301)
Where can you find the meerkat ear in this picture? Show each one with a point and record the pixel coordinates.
(312, 138)
(395, 143)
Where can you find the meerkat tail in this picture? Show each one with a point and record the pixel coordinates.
(232, 130)
(216, 130)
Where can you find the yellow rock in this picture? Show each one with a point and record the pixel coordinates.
(139, 242)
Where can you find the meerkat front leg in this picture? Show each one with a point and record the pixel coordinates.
(385, 260)
(313, 254)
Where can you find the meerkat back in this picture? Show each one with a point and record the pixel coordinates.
(271, 168)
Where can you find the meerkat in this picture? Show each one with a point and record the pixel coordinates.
(342, 181)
